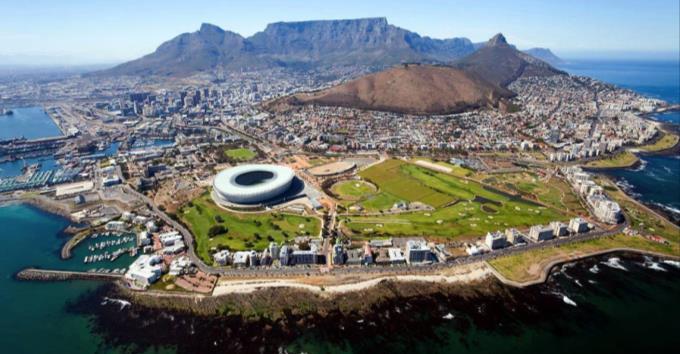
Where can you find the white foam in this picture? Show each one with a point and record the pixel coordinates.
(615, 262)
(675, 264)
(594, 269)
(568, 301)
(655, 266)
(123, 304)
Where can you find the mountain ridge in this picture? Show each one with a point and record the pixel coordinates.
(370, 42)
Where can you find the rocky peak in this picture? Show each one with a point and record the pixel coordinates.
(498, 39)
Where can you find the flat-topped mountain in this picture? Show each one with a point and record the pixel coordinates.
(363, 42)
(500, 63)
(414, 89)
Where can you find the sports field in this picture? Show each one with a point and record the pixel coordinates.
(243, 231)
(463, 207)
(353, 190)
(241, 154)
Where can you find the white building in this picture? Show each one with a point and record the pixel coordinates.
(179, 265)
(396, 256)
(495, 240)
(559, 229)
(540, 233)
(144, 271)
(578, 225)
(169, 238)
(222, 257)
(514, 236)
(241, 258)
(417, 252)
(115, 226)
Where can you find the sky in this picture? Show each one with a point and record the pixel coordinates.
(76, 32)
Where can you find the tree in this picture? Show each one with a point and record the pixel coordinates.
(217, 230)
(218, 218)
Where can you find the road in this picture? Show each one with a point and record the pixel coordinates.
(403, 269)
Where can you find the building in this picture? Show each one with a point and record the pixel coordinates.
(241, 258)
(169, 238)
(605, 209)
(284, 255)
(540, 233)
(179, 265)
(115, 226)
(110, 181)
(252, 184)
(417, 252)
(396, 256)
(222, 257)
(338, 254)
(175, 248)
(368, 254)
(274, 250)
(513, 236)
(354, 256)
(578, 225)
(144, 271)
(559, 229)
(495, 240)
(299, 257)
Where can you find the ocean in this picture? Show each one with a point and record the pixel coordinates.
(657, 180)
(610, 310)
(30, 123)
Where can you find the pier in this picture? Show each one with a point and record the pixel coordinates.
(60, 275)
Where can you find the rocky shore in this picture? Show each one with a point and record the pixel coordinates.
(270, 320)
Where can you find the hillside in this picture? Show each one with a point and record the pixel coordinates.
(500, 63)
(414, 89)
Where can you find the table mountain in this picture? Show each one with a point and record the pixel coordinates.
(369, 42)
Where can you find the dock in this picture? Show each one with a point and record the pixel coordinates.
(61, 275)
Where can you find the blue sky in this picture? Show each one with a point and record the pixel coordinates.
(97, 31)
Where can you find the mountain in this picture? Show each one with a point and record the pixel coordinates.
(500, 63)
(413, 89)
(368, 42)
(546, 55)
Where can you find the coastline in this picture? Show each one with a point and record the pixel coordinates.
(271, 319)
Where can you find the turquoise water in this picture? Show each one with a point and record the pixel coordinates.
(30, 123)
(33, 318)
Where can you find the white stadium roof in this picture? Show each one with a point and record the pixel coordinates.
(253, 183)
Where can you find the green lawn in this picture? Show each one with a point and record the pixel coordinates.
(401, 180)
(641, 219)
(245, 231)
(555, 192)
(241, 154)
(473, 212)
(353, 190)
(623, 159)
(528, 266)
(667, 141)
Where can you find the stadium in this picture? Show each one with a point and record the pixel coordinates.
(252, 184)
